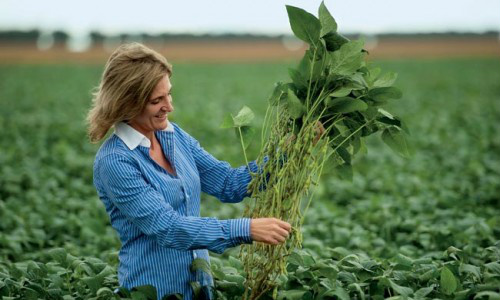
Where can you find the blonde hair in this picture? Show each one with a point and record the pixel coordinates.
(130, 76)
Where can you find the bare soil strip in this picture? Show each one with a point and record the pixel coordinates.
(252, 51)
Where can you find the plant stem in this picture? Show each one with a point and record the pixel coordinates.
(310, 80)
(349, 136)
(243, 147)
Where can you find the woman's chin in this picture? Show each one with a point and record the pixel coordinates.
(161, 125)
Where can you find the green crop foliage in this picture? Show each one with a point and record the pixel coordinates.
(389, 232)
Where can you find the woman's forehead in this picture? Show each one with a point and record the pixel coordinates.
(162, 87)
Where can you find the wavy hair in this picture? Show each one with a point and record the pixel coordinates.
(130, 76)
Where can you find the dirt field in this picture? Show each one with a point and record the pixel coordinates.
(237, 51)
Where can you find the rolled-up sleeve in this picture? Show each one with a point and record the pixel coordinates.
(145, 207)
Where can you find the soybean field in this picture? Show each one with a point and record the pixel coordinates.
(424, 227)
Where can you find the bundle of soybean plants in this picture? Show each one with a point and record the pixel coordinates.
(334, 89)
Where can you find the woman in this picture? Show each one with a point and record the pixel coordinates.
(149, 174)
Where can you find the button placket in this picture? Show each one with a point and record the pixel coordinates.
(186, 196)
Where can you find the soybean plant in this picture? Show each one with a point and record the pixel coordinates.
(332, 87)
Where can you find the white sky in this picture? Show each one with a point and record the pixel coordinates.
(246, 16)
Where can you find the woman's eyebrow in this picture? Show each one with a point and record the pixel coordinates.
(159, 96)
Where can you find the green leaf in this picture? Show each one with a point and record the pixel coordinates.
(218, 274)
(346, 156)
(227, 122)
(297, 78)
(346, 105)
(392, 121)
(358, 145)
(358, 288)
(396, 140)
(197, 291)
(105, 292)
(341, 92)
(34, 271)
(30, 294)
(235, 263)
(371, 74)
(202, 265)
(234, 278)
(59, 255)
(173, 297)
(385, 113)
(123, 292)
(226, 285)
(431, 274)
(470, 269)
(334, 41)
(148, 290)
(295, 259)
(403, 260)
(493, 267)
(344, 171)
(385, 80)
(108, 270)
(42, 291)
(304, 25)
(401, 290)
(244, 117)
(358, 79)
(384, 93)
(489, 294)
(341, 293)
(328, 24)
(94, 283)
(138, 296)
(309, 71)
(294, 106)
(326, 270)
(348, 59)
(294, 295)
(421, 293)
(448, 281)
(247, 133)
(279, 93)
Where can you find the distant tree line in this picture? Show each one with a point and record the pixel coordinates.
(97, 38)
(31, 36)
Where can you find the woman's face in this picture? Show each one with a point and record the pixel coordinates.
(154, 115)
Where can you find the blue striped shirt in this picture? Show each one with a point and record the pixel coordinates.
(157, 214)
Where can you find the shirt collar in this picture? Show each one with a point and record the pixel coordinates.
(133, 138)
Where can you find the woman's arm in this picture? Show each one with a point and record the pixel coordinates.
(142, 205)
(218, 178)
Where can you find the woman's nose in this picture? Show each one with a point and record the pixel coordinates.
(168, 107)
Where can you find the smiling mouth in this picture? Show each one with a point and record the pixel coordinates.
(163, 117)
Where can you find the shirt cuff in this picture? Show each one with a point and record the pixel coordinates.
(254, 168)
(239, 231)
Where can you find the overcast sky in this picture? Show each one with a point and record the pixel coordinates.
(246, 16)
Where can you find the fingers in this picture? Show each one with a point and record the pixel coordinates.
(271, 231)
(284, 225)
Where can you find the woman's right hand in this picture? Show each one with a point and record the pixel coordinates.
(269, 230)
